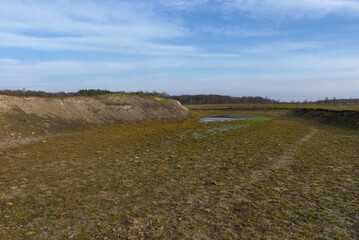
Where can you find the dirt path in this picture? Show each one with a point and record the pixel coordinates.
(27, 140)
(283, 161)
(16, 142)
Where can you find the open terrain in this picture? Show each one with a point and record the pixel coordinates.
(23, 119)
(283, 178)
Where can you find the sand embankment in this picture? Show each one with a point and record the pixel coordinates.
(33, 116)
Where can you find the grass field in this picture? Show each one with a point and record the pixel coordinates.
(276, 179)
(238, 107)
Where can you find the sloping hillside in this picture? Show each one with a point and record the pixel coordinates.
(347, 118)
(34, 116)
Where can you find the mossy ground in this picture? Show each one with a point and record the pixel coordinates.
(145, 181)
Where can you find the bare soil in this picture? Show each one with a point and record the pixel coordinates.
(26, 118)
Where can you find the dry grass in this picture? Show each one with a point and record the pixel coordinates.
(146, 181)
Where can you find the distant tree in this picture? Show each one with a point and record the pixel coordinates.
(334, 100)
(92, 92)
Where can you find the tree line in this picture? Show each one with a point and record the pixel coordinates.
(184, 99)
(220, 99)
(31, 93)
(82, 92)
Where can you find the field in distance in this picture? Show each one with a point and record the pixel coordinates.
(339, 106)
(278, 177)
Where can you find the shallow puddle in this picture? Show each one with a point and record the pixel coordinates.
(216, 130)
(208, 130)
(233, 117)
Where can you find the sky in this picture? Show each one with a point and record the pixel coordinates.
(281, 49)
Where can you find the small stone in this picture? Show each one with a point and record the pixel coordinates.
(9, 204)
(208, 210)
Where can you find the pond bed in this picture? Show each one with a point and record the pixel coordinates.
(233, 117)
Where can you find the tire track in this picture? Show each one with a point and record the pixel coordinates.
(283, 161)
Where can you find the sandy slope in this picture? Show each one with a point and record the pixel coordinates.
(33, 116)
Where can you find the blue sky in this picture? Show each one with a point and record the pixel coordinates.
(283, 49)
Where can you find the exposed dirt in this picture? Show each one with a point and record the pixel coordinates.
(23, 119)
(103, 109)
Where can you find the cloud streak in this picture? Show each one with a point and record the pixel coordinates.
(283, 8)
(296, 8)
(114, 26)
(235, 76)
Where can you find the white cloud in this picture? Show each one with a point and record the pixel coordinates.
(237, 31)
(296, 8)
(274, 86)
(283, 46)
(42, 70)
(95, 43)
(301, 77)
(283, 8)
(7, 61)
(187, 5)
(138, 27)
(91, 25)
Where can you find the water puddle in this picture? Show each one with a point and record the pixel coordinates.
(233, 117)
(221, 126)
(216, 130)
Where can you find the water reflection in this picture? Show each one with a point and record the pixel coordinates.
(233, 117)
(209, 130)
